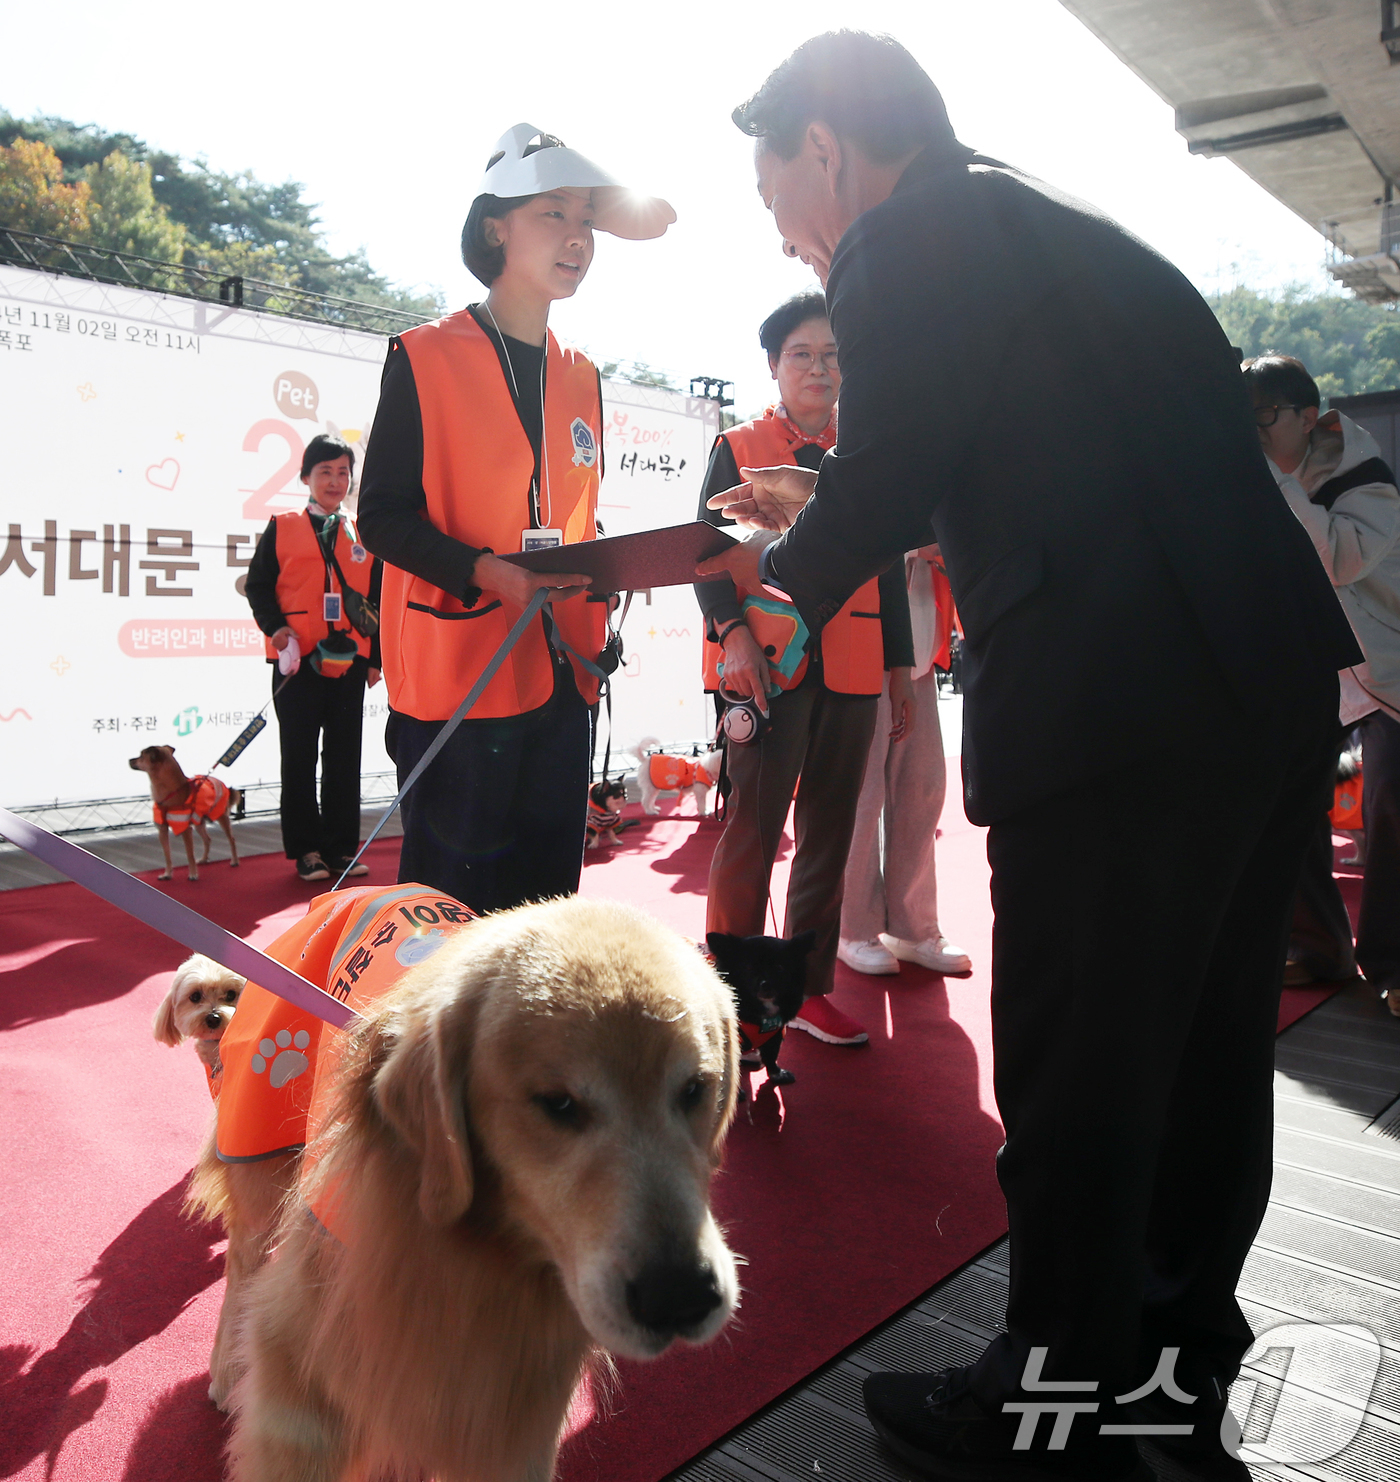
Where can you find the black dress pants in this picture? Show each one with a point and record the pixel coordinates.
(500, 815)
(1378, 926)
(312, 711)
(1137, 955)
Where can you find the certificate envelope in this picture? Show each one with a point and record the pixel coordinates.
(632, 563)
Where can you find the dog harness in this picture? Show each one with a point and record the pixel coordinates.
(671, 773)
(358, 944)
(207, 799)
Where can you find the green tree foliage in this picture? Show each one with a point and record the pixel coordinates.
(1348, 346)
(182, 211)
(124, 214)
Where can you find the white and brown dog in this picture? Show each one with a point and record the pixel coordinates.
(660, 775)
(186, 805)
(199, 1005)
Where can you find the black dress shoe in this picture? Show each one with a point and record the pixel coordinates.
(933, 1423)
(1203, 1453)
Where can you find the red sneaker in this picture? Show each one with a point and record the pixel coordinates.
(824, 1021)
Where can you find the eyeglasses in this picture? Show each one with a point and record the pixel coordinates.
(1267, 416)
(805, 359)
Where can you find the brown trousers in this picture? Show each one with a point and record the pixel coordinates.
(816, 748)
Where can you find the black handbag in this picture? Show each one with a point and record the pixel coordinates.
(360, 612)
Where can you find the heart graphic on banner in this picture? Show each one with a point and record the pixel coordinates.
(164, 475)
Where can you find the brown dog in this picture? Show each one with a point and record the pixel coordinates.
(185, 804)
(514, 1153)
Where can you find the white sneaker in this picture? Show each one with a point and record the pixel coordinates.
(937, 954)
(867, 957)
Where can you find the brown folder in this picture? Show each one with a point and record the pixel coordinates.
(632, 563)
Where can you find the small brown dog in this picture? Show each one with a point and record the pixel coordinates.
(198, 1006)
(514, 1152)
(184, 803)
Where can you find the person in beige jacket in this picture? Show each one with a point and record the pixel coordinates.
(889, 913)
(1331, 472)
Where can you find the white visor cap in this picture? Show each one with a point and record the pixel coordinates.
(618, 210)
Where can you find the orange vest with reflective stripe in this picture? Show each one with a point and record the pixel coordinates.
(671, 773)
(301, 579)
(853, 644)
(207, 798)
(356, 944)
(477, 469)
(1345, 812)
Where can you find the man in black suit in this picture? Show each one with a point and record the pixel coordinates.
(1060, 405)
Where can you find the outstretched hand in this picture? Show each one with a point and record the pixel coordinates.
(770, 499)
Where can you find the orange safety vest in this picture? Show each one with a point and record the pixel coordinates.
(671, 773)
(1345, 812)
(301, 579)
(853, 644)
(208, 798)
(477, 470)
(354, 943)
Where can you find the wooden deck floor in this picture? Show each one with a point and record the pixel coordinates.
(1328, 1252)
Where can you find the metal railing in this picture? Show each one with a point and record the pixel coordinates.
(98, 815)
(129, 270)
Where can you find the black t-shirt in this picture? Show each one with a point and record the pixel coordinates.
(392, 498)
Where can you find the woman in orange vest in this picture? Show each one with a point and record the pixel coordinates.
(821, 701)
(294, 586)
(488, 440)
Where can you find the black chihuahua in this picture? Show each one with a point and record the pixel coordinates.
(767, 976)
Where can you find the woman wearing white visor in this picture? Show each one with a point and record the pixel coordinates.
(488, 439)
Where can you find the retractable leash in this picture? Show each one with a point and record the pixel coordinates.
(244, 738)
(458, 715)
(173, 919)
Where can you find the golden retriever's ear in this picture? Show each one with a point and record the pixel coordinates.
(163, 1025)
(729, 1086)
(419, 1090)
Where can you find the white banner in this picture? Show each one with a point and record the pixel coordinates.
(147, 441)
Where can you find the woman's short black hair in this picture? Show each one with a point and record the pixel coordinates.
(325, 448)
(1280, 380)
(486, 259)
(775, 329)
(866, 88)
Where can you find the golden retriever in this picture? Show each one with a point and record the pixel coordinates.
(515, 1150)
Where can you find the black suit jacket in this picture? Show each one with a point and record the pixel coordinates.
(1049, 399)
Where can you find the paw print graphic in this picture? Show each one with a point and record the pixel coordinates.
(284, 1057)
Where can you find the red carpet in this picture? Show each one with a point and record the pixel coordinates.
(869, 1180)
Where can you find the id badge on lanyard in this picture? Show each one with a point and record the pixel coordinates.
(330, 607)
(540, 540)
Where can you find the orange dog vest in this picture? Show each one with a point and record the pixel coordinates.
(853, 643)
(671, 773)
(356, 944)
(477, 469)
(1346, 806)
(208, 799)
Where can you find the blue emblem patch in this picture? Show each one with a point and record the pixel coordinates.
(585, 444)
(415, 949)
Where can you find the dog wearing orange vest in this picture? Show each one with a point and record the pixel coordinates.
(660, 775)
(185, 805)
(496, 1175)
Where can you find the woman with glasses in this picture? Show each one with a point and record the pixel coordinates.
(820, 700)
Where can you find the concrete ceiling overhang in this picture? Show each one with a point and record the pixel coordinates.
(1303, 95)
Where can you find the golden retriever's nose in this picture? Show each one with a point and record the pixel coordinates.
(673, 1297)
